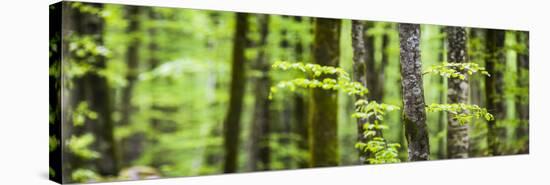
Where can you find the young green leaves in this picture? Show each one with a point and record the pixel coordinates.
(382, 151)
(462, 112)
(456, 70)
(341, 82)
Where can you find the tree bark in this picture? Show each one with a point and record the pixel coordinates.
(494, 87)
(457, 92)
(233, 116)
(522, 100)
(259, 153)
(323, 115)
(414, 111)
(131, 146)
(360, 75)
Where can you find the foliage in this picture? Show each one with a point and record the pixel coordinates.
(462, 112)
(456, 70)
(85, 52)
(51, 171)
(85, 8)
(342, 81)
(81, 113)
(79, 145)
(85, 175)
(284, 147)
(383, 152)
(53, 143)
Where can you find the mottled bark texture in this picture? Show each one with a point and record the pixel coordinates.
(457, 92)
(259, 152)
(359, 75)
(414, 111)
(522, 100)
(323, 115)
(494, 87)
(233, 117)
(131, 146)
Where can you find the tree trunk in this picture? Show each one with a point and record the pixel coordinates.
(522, 98)
(441, 122)
(300, 127)
(323, 115)
(259, 153)
(414, 110)
(131, 146)
(494, 87)
(360, 75)
(233, 117)
(373, 71)
(457, 92)
(95, 91)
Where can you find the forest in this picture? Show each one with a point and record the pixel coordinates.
(152, 92)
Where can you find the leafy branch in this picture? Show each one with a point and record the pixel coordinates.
(456, 70)
(462, 112)
(382, 151)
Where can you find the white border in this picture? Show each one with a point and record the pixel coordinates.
(23, 97)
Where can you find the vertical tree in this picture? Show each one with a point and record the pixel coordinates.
(130, 146)
(414, 113)
(233, 117)
(92, 88)
(457, 133)
(300, 127)
(259, 153)
(374, 72)
(284, 129)
(323, 115)
(98, 96)
(383, 64)
(522, 98)
(494, 86)
(360, 75)
(441, 123)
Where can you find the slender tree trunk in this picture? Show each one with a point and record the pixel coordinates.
(131, 147)
(442, 149)
(381, 75)
(259, 153)
(414, 111)
(233, 116)
(95, 91)
(300, 127)
(373, 71)
(476, 97)
(457, 92)
(286, 112)
(494, 87)
(522, 99)
(360, 75)
(323, 115)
